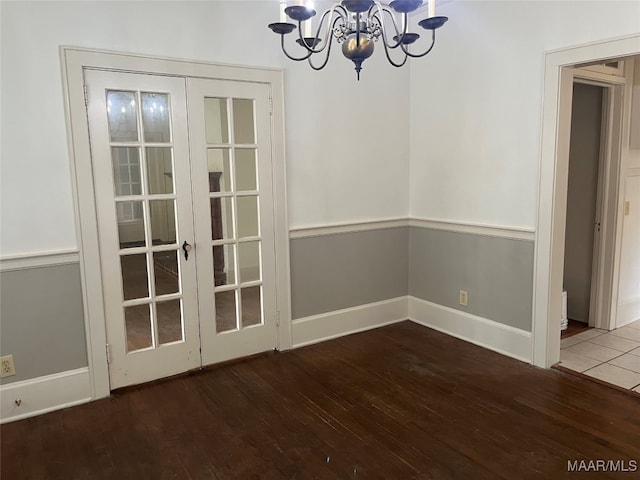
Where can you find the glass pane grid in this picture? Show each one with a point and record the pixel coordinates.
(145, 202)
(234, 198)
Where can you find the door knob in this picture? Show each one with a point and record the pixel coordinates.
(187, 248)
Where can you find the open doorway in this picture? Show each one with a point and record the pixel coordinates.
(596, 259)
(584, 204)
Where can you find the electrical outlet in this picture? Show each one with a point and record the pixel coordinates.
(464, 298)
(8, 368)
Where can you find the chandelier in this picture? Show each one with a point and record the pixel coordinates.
(357, 24)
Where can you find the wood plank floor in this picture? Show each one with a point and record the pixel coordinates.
(398, 402)
(574, 327)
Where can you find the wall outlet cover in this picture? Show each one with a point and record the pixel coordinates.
(464, 298)
(7, 367)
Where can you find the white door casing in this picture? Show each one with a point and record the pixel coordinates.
(552, 188)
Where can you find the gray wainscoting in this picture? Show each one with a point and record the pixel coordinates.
(42, 320)
(497, 273)
(332, 272)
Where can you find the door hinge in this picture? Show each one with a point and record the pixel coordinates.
(277, 318)
(108, 353)
(86, 95)
(270, 105)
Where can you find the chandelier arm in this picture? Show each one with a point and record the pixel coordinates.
(329, 13)
(284, 50)
(326, 59)
(418, 55)
(379, 19)
(386, 52)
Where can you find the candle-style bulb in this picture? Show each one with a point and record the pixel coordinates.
(283, 16)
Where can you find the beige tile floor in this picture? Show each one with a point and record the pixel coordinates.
(613, 357)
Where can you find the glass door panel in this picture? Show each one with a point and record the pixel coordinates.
(216, 120)
(226, 318)
(224, 265)
(135, 278)
(243, 121)
(246, 169)
(138, 324)
(159, 170)
(170, 322)
(126, 171)
(247, 217)
(156, 123)
(123, 116)
(166, 273)
(218, 163)
(251, 306)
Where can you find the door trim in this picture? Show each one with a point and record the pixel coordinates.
(552, 188)
(73, 61)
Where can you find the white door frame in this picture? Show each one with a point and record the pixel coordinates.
(552, 187)
(74, 60)
(605, 259)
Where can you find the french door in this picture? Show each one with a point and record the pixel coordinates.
(231, 151)
(182, 180)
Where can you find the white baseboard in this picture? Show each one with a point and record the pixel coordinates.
(44, 394)
(325, 326)
(495, 336)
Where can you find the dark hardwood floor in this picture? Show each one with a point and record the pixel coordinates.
(398, 402)
(574, 327)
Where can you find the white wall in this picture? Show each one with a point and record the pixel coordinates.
(347, 141)
(476, 104)
(629, 286)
